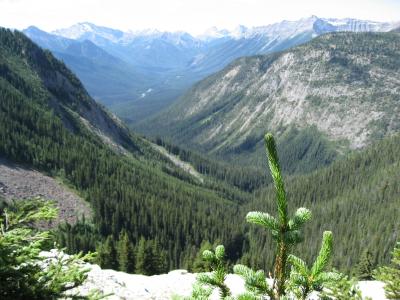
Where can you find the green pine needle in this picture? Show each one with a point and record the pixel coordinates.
(263, 219)
(324, 254)
(273, 162)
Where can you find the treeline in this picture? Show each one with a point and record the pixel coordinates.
(147, 257)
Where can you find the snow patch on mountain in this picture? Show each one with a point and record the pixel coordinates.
(213, 33)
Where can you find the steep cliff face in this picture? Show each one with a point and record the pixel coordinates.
(345, 85)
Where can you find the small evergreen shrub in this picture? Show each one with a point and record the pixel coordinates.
(216, 278)
(365, 267)
(391, 275)
(24, 274)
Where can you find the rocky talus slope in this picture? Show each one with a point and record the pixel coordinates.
(19, 182)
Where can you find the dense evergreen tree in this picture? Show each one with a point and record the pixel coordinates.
(143, 258)
(126, 257)
(108, 254)
(357, 197)
(365, 267)
(81, 236)
(159, 259)
(141, 192)
(150, 258)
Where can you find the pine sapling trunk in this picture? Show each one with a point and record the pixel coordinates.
(281, 257)
(280, 268)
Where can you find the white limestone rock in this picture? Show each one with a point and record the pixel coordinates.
(125, 286)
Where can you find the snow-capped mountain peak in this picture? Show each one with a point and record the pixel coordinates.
(239, 32)
(213, 33)
(86, 30)
(145, 32)
(75, 31)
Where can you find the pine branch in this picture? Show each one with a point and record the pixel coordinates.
(328, 277)
(255, 282)
(274, 166)
(263, 219)
(299, 265)
(324, 254)
(301, 216)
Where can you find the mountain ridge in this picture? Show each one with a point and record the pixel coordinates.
(107, 77)
(315, 84)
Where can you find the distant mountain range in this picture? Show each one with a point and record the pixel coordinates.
(396, 29)
(137, 74)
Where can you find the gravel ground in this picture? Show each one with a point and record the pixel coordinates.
(19, 182)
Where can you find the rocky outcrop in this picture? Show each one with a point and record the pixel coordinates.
(177, 282)
(120, 285)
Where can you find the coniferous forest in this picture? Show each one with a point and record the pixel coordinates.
(150, 216)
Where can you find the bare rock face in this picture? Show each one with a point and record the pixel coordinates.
(120, 285)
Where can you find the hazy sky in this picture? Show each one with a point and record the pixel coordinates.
(189, 15)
